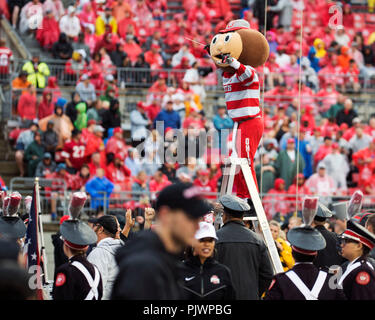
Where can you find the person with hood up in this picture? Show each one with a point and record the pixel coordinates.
(34, 154)
(62, 49)
(112, 116)
(54, 88)
(316, 52)
(46, 106)
(62, 124)
(71, 110)
(26, 107)
(103, 255)
(46, 166)
(81, 121)
(50, 138)
(275, 202)
(49, 32)
(98, 187)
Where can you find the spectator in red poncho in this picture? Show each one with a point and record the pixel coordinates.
(27, 103)
(131, 48)
(329, 127)
(327, 96)
(275, 201)
(81, 178)
(348, 16)
(153, 57)
(194, 120)
(201, 25)
(54, 88)
(95, 163)
(200, 7)
(351, 76)
(116, 144)
(87, 15)
(205, 184)
(324, 149)
(46, 107)
(118, 173)
(350, 132)
(308, 117)
(279, 95)
(108, 42)
(49, 31)
(125, 22)
(302, 191)
(96, 144)
(364, 160)
(159, 181)
(331, 72)
(370, 129)
(179, 75)
(88, 132)
(141, 12)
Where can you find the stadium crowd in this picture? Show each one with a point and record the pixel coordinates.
(81, 140)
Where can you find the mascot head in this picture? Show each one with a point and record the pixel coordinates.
(246, 45)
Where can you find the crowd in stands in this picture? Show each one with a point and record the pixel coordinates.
(81, 140)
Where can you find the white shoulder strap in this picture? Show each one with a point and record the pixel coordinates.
(347, 271)
(314, 293)
(93, 283)
(319, 283)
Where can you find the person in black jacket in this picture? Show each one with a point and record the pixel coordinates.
(242, 251)
(149, 267)
(71, 110)
(204, 277)
(329, 256)
(112, 117)
(58, 252)
(347, 114)
(62, 49)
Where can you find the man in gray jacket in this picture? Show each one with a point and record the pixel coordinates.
(102, 256)
(285, 10)
(139, 122)
(243, 251)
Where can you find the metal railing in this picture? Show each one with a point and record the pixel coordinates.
(120, 201)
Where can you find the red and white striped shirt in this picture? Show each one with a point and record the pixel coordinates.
(242, 93)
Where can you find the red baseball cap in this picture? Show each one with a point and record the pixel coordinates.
(204, 172)
(290, 140)
(335, 145)
(118, 129)
(91, 122)
(119, 156)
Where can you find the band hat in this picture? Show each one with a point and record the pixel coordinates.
(359, 233)
(77, 233)
(234, 203)
(12, 227)
(306, 240)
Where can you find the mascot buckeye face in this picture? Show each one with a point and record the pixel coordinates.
(237, 40)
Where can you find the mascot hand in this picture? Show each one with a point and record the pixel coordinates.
(233, 62)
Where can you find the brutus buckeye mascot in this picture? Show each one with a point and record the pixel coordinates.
(237, 50)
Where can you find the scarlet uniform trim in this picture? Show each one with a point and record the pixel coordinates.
(60, 279)
(75, 246)
(302, 251)
(362, 278)
(360, 238)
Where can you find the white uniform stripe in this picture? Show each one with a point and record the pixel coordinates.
(243, 112)
(239, 95)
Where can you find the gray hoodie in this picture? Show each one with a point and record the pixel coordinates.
(103, 257)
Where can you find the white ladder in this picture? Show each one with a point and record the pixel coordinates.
(231, 164)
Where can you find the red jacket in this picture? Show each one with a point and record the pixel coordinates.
(210, 186)
(117, 175)
(156, 186)
(45, 108)
(27, 106)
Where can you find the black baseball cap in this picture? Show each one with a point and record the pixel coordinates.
(186, 197)
(108, 222)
